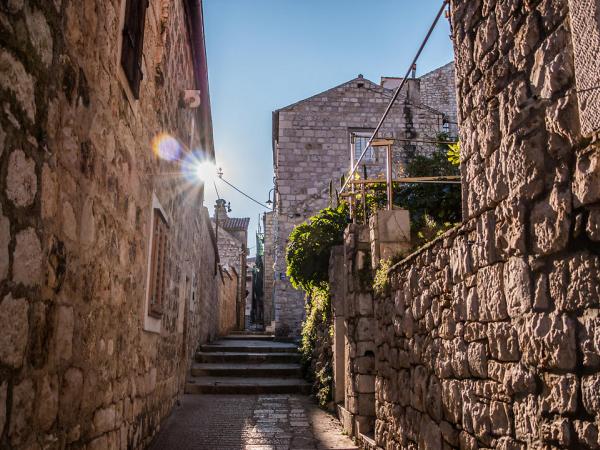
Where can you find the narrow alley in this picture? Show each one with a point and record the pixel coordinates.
(294, 225)
(266, 407)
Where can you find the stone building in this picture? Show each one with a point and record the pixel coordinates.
(232, 241)
(108, 262)
(489, 336)
(312, 148)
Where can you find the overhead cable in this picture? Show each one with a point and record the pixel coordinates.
(396, 94)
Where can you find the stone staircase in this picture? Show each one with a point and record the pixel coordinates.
(250, 363)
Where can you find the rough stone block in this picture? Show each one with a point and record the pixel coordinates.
(104, 420)
(23, 397)
(63, 335)
(517, 286)
(586, 185)
(16, 79)
(586, 434)
(47, 399)
(27, 259)
(518, 380)
(500, 418)
(503, 341)
(21, 180)
(365, 304)
(586, 46)
(589, 339)
(490, 290)
(550, 223)
(548, 340)
(365, 384)
(527, 416)
(560, 393)
(14, 322)
(590, 386)
(477, 355)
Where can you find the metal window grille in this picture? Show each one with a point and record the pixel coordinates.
(158, 270)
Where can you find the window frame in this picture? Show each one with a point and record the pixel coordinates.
(371, 156)
(158, 264)
(132, 43)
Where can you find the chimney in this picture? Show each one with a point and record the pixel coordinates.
(221, 210)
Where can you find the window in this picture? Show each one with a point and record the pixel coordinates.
(133, 43)
(158, 267)
(360, 142)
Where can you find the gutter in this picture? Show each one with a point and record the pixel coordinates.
(195, 19)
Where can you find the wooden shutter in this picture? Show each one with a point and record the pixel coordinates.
(133, 43)
(158, 268)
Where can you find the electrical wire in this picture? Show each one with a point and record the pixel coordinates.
(396, 94)
(244, 194)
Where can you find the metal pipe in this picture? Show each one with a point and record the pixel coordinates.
(388, 179)
(397, 93)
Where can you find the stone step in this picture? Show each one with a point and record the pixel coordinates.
(237, 385)
(249, 347)
(250, 337)
(253, 358)
(248, 370)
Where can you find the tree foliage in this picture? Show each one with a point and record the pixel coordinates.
(309, 246)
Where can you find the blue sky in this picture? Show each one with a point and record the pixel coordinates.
(266, 54)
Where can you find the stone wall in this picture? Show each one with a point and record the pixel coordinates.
(438, 90)
(80, 367)
(227, 301)
(269, 274)
(312, 148)
(354, 323)
(489, 336)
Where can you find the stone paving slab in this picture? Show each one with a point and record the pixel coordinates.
(250, 422)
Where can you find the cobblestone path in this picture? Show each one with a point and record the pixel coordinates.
(250, 422)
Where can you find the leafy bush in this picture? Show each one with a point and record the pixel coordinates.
(315, 346)
(310, 243)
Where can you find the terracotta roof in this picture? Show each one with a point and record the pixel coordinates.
(236, 223)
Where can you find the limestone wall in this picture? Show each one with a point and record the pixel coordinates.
(269, 272)
(81, 365)
(490, 336)
(227, 301)
(438, 90)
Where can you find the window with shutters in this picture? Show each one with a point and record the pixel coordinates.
(158, 267)
(133, 43)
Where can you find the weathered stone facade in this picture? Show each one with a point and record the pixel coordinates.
(82, 364)
(232, 242)
(488, 336)
(311, 149)
(228, 295)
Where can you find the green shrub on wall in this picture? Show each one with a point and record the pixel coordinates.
(309, 246)
(307, 257)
